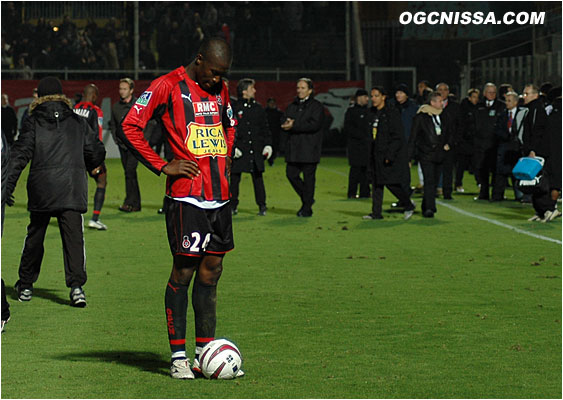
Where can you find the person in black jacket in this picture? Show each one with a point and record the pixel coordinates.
(452, 125)
(429, 143)
(357, 129)
(5, 162)
(132, 200)
(253, 143)
(485, 139)
(467, 113)
(303, 123)
(388, 155)
(61, 147)
(9, 120)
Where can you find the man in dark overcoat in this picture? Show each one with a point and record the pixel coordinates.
(388, 155)
(357, 129)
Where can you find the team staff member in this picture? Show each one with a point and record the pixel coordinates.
(253, 143)
(60, 146)
(193, 105)
(357, 128)
(388, 155)
(88, 109)
(429, 141)
(303, 123)
(126, 100)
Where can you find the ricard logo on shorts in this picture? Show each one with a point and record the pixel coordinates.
(206, 140)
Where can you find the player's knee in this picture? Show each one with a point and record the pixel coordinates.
(210, 272)
(183, 269)
(101, 180)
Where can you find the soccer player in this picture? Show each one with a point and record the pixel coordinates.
(193, 105)
(88, 109)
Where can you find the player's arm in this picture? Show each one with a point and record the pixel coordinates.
(93, 150)
(21, 153)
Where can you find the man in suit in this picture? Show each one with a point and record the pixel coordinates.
(511, 132)
(485, 140)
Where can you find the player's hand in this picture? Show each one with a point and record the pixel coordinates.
(447, 147)
(288, 124)
(238, 153)
(185, 168)
(228, 161)
(10, 200)
(532, 154)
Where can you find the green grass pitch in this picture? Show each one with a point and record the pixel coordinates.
(326, 307)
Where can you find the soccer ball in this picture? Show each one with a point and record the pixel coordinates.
(220, 359)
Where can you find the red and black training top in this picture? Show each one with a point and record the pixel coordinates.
(199, 126)
(93, 114)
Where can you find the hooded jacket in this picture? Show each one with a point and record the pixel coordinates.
(61, 147)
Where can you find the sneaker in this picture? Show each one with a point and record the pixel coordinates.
(97, 225)
(534, 218)
(554, 214)
(23, 294)
(77, 297)
(372, 216)
(546, 216)
(262, 211)
(234, 211)
(180, 369)
(240, 373)
(408, 214)
(160, 211)
(4, 322)
(460, 189)
(428, 214)
(195, 367)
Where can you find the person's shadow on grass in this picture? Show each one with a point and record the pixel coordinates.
(143, 360)
(47, 294)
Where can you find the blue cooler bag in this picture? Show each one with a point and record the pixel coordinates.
(527, 168)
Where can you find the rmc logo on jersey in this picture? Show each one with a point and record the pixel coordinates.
(206, 140)
(205, 108)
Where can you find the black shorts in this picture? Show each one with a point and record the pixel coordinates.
(102, 169)
(194, 231)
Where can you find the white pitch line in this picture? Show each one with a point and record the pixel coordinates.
(498, 223)
(467, 213)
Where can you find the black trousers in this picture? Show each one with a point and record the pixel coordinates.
(358, 176)
(396, 189)
(447, 173)
(74, 254)
(462, 164)
(132, 193)
(305, 188)
(259, 189)
(431, 171)
(485, 162)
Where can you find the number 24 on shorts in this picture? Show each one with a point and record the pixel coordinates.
(196, 240)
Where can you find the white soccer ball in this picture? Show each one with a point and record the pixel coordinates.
(220, 359)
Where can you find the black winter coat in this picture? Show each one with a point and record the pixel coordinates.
(536, 122)
(61, 147)
(118, 111)
(389, 161)
(553, 140)
(357, 129)
(305, 139)
(485, 125)
(467, 118)
(451, 122)
(252, 135)
(509, 148)
(424, 143)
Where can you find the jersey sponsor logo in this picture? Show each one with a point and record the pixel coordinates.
(186, 242)
(219, 99)
(83, 112)
(144, 99)
(206, 140)
(205, 108)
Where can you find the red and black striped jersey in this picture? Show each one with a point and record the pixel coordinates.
(199, 126)
(93, 114)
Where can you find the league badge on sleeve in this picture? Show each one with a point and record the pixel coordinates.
(144, 99)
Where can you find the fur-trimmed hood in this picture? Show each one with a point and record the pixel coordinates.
(53, 108)
(52, 97)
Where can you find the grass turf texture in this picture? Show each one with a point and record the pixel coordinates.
(328, 307)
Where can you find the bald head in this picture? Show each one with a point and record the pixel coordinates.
(211, 64)
(91, 93)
